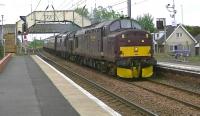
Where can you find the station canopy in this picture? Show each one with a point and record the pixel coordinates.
(55, 21)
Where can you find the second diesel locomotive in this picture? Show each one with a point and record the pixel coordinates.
(119, 47)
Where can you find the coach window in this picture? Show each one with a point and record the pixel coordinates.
(115, 26)
(60, 42)
(103, 31)
(76, 42)
(65, 40)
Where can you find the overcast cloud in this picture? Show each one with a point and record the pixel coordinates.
(12, 9)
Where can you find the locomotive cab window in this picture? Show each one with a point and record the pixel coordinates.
(125, 23)
(115, 26)
(135, 25)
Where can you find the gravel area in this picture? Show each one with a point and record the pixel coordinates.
(184, 82)
(151, 101)
(172, 92)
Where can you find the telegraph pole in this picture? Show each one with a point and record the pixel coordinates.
(129, 8)
(182, 13)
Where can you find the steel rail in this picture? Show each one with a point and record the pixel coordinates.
(174, 87)
(163, 95)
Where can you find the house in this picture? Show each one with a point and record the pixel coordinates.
(177, 39)
(197, 46)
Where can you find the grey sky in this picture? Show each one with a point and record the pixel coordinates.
(12, 9)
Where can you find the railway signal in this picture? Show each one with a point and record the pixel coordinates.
(24, 32)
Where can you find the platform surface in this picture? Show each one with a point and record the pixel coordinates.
(29, 86)
(85, 103)
(180, 66)
(26, 91)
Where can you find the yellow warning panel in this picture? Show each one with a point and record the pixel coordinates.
(127, 73)
(129, 51)
(147, 72)
(124, 73)
(133, 73)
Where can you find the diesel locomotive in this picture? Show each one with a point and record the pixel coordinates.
(118, 47)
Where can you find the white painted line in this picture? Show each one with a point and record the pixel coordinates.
(99, 102)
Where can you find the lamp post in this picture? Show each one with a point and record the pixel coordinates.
(82, 14)
(2, 40)
(4, 47)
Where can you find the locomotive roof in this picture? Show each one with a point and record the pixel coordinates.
(106, 23)
(100, 25)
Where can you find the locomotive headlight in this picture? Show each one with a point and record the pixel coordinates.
(124, 36)
(135, 49)
(147, 35)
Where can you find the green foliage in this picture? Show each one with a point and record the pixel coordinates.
(1, 51)
(36, 44)
(147, 22)
(82, 11)
(193, 30)
(101, 14)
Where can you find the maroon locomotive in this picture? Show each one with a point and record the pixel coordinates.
(119, 47)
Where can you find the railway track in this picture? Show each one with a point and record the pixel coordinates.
(171, 86)
(171, 97)
(118, 103)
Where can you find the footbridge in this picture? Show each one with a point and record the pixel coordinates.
(52, 21)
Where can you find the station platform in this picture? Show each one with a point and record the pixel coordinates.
(180, 66)
(31, 87)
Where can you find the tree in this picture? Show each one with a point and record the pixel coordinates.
(146, 21)
(193, 30)
(36, 44)
(1, 52)
(101, 14)
(82, 11)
